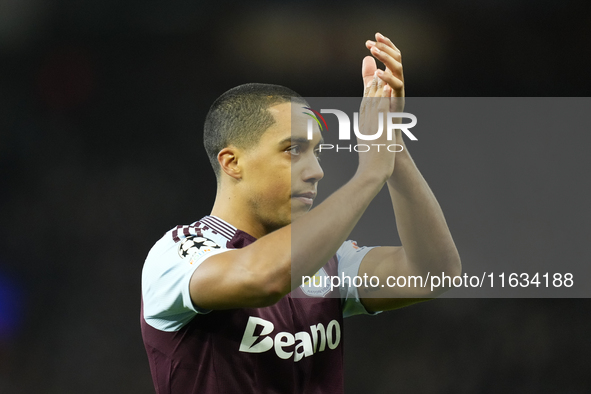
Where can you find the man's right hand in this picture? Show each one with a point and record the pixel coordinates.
(384, 92)
(378, 161)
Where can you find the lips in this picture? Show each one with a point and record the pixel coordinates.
(306, 197)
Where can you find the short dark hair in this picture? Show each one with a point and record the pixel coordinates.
(240, 116)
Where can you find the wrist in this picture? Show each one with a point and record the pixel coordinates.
(370, 178)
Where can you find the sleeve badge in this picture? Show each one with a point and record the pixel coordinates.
(196, 245)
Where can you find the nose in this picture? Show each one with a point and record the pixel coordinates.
(313, 171)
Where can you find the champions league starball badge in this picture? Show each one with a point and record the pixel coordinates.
(196, 245)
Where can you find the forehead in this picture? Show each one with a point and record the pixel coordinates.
(290, 121)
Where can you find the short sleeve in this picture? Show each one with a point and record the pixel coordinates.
(350, 256)
(166, 276)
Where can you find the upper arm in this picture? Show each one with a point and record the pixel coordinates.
(196, 275)
(229, 280)
(388, 263)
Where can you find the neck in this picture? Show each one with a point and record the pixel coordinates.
(234, 210)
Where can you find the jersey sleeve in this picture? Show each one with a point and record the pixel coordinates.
(166, 276)
(349, 258)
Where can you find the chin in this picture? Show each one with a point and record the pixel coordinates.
(296, 214)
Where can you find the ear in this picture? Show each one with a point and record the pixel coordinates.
(228, 159)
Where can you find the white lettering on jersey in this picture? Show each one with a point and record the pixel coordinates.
(337, 334)
(316, 330)
(304, 346)
(248, 339)
(283, 339)
(283, 342)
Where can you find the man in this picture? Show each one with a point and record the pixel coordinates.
(223, 311)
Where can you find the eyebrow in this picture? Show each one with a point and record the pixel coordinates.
(300, 140)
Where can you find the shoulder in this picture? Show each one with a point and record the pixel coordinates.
(168, 268)
(192, 240)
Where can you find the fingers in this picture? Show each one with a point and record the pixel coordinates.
(368, 69)
(394, 83)
(377, 86)
(386, 41)
(371, 86)
(387, 55)
(380, 46)
(376, 100)
(383, 89)
(385, 51)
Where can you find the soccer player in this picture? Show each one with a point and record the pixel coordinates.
(220, 311)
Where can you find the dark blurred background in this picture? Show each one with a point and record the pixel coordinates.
(101, 110)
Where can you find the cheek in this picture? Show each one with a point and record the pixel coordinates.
(279, 187)
(271, 178)
(270, 185)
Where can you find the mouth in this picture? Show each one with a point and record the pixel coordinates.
(306, 198)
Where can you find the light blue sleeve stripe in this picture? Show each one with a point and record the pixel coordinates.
(350, 257)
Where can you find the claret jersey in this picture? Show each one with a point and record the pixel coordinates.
(293, 346)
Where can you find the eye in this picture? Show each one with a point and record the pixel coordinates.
(317, 153)
(295, 150)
